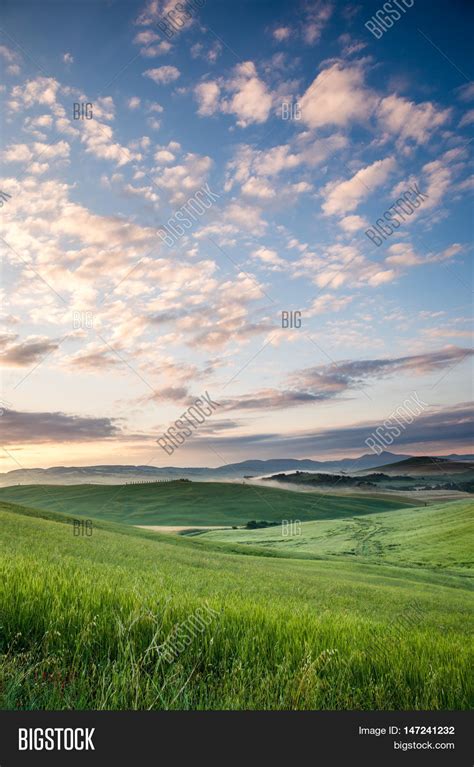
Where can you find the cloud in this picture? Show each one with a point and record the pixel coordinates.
(24, 153)
(55, 427)
(314, 15)
(207, 95)
(134, 102)
(435, 431)
(257, 187)
(352, 224)
(184, 178)
(351, 373)
(12, 58)
(467, 119)
(344, 196)
(209, 53)
(466, 92)
(327, 303)
(245, 217)
(15, 353)
(326, 382)
(435, 180)
(243, 94)
(151, 44)
(268, 256)
(145, 38)
(341, 265)
(42, 90)
(68, 58)
(256, 169)
(93, 358)
(99, 141)
(402, 254)
(162, 75)
(408, 120)
(281, 33)
(337, 96)
(251, 102)
(158, 10)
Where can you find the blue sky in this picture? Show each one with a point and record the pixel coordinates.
(110, 331)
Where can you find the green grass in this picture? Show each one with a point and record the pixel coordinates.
(193, 503)
(81, 619)
(438, 536)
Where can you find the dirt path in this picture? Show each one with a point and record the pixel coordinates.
(183, 529)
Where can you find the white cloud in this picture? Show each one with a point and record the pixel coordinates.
(343, 197)
(42, 90)
(99, 141)
(337, 96)
(183, 179)
(163, 75)
(156, 50)
(402, 254)
(146, 37)
(12, 58)
(251, 102)
(257, 187)
(24, 153)
(268, 256)
(246, 217)
(327, 303)
(244, 94)
(408, 120)
(352, 224)
(282, 33)
(163, 156)
(207, 95)
(155, 107)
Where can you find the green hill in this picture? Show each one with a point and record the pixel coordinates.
(438, 536)
(427, 465)
(83, 619)
(193, 503)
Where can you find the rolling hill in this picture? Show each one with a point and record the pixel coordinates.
(83, 621)
(193, 503)
(433, 537)
(427, 465)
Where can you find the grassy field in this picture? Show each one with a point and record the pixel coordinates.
(438, 536)
(193, 503)
(82, 619)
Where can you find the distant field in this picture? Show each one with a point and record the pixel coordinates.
(438, 536)
(193, 503)
(82, 619)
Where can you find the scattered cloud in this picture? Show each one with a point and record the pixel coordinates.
(163, 75)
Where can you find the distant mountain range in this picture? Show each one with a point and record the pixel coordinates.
(109, 474)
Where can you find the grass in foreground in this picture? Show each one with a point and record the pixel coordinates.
(81, 618)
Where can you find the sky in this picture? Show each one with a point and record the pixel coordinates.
(233, 168)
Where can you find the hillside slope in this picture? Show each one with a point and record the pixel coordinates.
(192, 503)
(427, 465)
(83, 618)
(438, 536)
